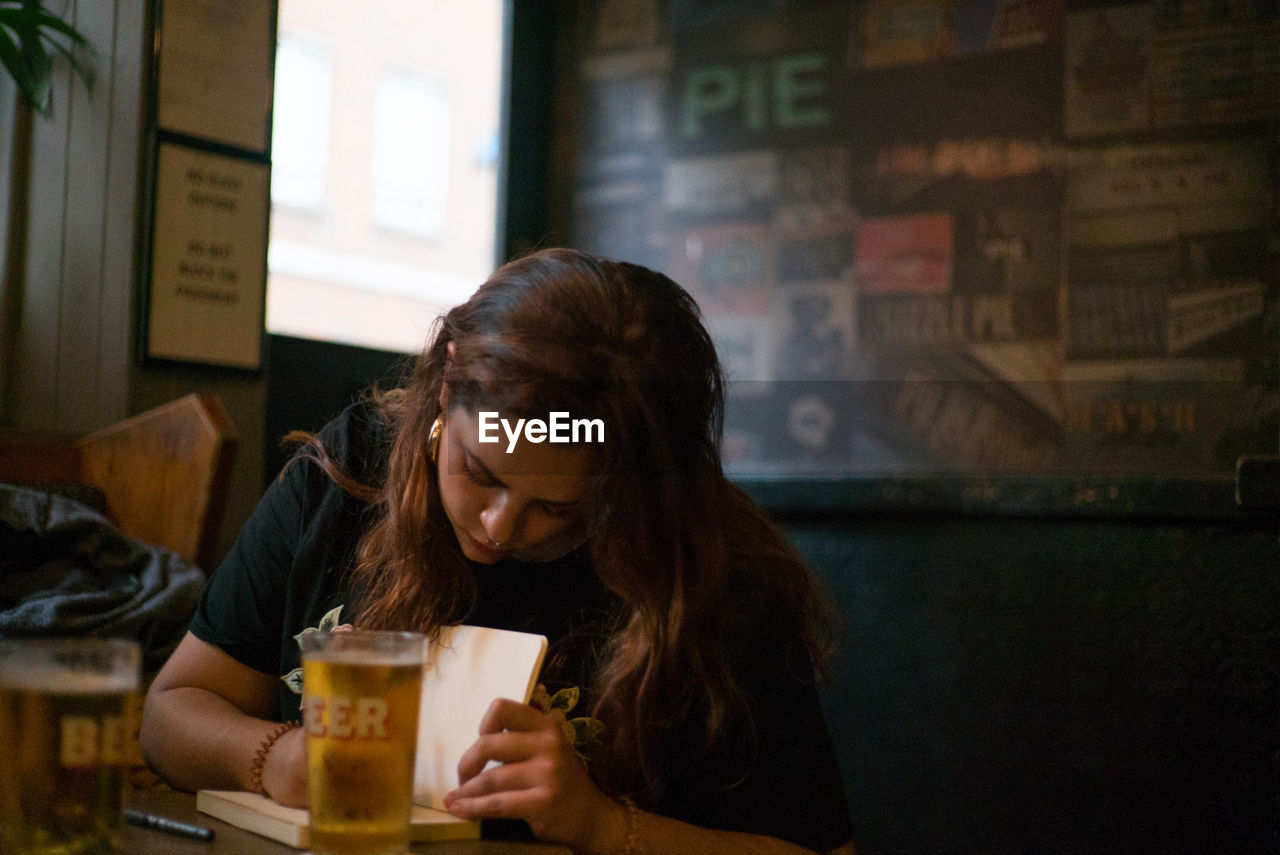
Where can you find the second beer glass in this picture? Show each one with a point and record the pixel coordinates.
(65, 740)
(360, 699)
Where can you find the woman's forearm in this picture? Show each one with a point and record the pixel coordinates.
(195, 739)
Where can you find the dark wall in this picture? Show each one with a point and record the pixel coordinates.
(310, 382)
(1049, 683)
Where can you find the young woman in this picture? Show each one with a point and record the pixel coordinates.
(692, 629)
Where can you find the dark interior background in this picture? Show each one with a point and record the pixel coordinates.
(1052, 664)
(1055, 681)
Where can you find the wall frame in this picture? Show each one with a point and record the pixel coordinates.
(203, 263)
(208, 258)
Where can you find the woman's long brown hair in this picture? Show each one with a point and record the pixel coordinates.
(561, 330)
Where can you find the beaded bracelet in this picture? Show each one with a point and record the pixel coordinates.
(260, 756)
(633, 827)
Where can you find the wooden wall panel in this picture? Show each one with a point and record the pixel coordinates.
(37, 353)
(118, 269)
(8, 92)
(76, 320)
(79, 327)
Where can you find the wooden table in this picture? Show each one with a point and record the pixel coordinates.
(229, 840)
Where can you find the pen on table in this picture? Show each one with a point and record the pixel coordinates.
(163, 823)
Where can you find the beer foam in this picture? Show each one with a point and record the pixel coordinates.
(57, 681)
(366, 657)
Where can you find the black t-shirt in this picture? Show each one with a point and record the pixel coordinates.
(289, 571)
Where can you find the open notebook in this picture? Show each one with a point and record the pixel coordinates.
(465, 672)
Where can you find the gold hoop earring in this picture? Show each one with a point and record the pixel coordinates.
(433, 438)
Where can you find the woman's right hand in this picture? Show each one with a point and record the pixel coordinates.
(284, 772)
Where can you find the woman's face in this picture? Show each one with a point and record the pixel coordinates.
(526, 503)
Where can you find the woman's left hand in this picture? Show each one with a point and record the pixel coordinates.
(541, 781)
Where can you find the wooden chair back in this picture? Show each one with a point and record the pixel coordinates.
(164, 473)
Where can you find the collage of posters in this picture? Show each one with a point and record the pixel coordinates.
(954, 236)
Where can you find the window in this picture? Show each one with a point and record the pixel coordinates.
(385, 187)
(411, 152)
(300, 130)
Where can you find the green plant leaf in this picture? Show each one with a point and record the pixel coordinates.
(75, 48)
(41, 18)
(81, 58)
(28, 34)
(18, 64)
(11, 56)
(41, 70)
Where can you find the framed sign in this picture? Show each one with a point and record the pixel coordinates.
(208, 262)
(215, 74)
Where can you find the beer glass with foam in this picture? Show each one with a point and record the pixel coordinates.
(360, 696)
(66, 731)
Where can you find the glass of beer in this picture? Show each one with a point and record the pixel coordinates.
(360, 696)
(66, 729)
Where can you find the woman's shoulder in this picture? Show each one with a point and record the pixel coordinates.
(359, 421)
(358, 439)
(772, 596)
